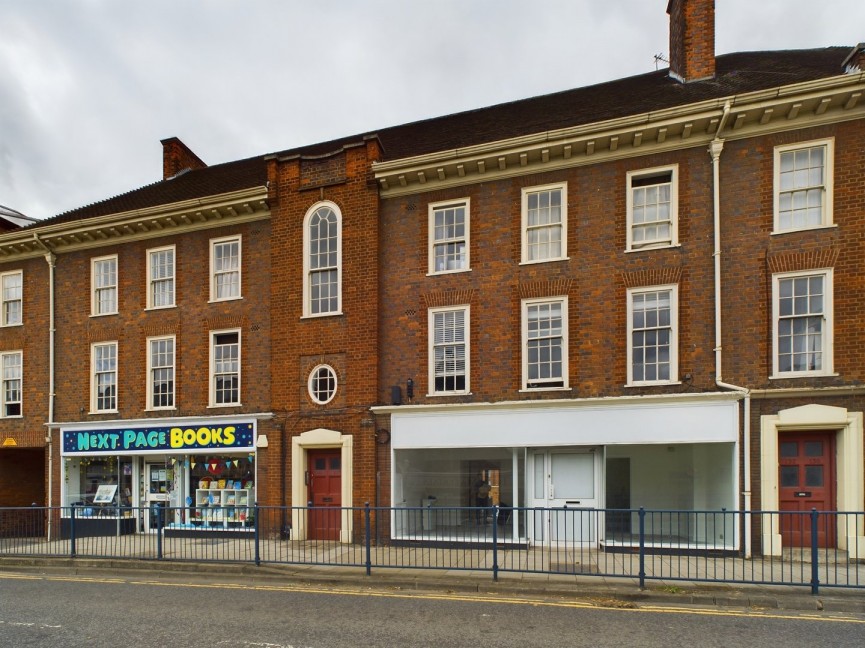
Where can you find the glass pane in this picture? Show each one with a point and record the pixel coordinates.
(573, 476)
(790, 476)
(813, 448)
(789, 449)
(813, 475)
(539, 477)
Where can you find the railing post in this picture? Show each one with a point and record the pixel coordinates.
(72, 532)
(815, 576)
(156, 510)
(642, 548)
(367, 539)
(256, 525)
(495, 542)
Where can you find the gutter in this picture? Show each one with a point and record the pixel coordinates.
(715, 148)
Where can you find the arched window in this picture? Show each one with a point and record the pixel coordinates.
(322, 260)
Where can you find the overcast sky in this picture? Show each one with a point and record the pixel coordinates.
(89, 87)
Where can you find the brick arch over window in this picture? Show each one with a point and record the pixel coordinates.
(322, 260)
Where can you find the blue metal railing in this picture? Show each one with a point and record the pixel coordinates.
(811, 548)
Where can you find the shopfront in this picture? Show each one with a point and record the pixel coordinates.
(181, 475)
(671, 453)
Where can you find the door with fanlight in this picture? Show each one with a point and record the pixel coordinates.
(806, 466)
(564, 497)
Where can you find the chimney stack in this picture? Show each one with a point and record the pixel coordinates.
(692, 39)
(177, 157)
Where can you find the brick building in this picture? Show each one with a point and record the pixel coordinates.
(640, 293)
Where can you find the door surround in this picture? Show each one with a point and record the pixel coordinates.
(320, 438)
(849, 466)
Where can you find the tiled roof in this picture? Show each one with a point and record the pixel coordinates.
(735, 74)
(198, 183)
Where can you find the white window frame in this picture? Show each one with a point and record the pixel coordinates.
(212, 376)
(432, 314)
(673, 328)
(309, 272)
(4, 315)
(826, 219)
(562, 187)
(95, 373)
(313, 377)
(826, 336)
(525, 306)
(215, 274)
(95, 303)
(171, 279)
(152, 368)
(436, 208)
(641, 174)
(6, 379)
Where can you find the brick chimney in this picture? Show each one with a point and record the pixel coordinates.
(692, 39)
(855, 61)
(177, 157)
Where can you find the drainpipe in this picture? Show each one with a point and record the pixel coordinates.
(715, 148)
(51, 259)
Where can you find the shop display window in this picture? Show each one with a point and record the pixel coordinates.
(446, 486)
(99, 486)
(221, 492)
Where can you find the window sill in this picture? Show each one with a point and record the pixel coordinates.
(803, 229)
(564, 258)
(650, 248)
(97, 412)
(654, 383)
(11, 325)
(160, 409)
(104, 314)
(224, 299)
(526, 390)
(447, 272)
(318, 315)
(446, 394)
(158, 308)
(802, 374)
(224, 405)
(12, 416)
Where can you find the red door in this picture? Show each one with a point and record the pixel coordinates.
(806, 481)
(325, 493)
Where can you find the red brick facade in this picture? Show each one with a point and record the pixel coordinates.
(379, 338)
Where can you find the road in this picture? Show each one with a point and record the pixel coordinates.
(147, 610)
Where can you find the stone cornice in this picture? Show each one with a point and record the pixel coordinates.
(164, 220)
(831, 100)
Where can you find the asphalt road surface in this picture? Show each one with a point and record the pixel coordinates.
(49, 610)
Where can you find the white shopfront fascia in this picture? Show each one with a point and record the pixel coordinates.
(711, 418)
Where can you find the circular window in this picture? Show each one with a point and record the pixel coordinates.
(322, 384)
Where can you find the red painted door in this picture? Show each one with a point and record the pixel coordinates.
(325, 493)
(806, 481)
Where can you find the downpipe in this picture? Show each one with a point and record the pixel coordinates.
(715, 149)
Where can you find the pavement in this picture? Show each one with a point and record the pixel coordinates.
(600, 591)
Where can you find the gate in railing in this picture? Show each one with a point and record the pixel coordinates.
(813, 549)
